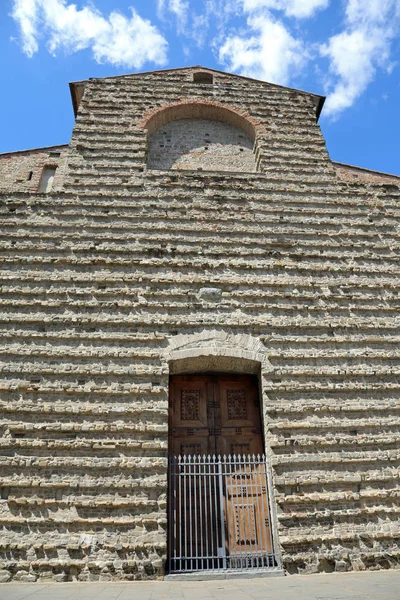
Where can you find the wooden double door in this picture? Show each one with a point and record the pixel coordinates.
(214, 414)
(218, 503)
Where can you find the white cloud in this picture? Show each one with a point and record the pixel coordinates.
(372, 12)
(268, 51)
(179, 8)
(119, 40)
(292, 8)
(357, 52)
(26, 15)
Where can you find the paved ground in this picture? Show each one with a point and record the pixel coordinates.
(381, 585)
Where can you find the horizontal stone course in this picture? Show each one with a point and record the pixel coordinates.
(98, 278)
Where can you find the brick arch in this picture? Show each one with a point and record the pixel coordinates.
(200, 109)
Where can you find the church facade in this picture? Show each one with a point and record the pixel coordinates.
(199, 340)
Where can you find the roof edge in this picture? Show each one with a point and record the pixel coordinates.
(77, 89)
(320, 100)
(34, 149)
(365, 170)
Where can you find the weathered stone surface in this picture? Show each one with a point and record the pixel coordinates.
(210, 294)
(103, 295)
(4, 576)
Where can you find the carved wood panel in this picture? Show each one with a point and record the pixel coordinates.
(190, 405)
(247, 513)
(214, 414)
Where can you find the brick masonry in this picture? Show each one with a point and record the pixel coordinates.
(349, 174)
(200, 144)
(22, 171)
(101, 279)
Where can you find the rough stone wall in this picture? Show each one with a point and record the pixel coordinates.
(22, 171)
(200, 144)
(109, 142)
(98, 280)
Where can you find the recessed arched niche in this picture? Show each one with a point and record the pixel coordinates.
(201, 138)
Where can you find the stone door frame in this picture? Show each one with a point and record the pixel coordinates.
(220, 351)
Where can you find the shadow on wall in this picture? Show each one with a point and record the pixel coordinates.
(201, 144)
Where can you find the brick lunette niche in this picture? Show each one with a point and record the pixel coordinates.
(202, 135)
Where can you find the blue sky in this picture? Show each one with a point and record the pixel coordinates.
(348, 50)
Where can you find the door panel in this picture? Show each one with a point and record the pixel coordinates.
(189, 421)
(239, 415)
(214, 414)
(247, 513)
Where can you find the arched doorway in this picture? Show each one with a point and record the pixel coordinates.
(219, 511)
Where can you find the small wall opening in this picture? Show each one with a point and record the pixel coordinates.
(203, 77)
(47, 179)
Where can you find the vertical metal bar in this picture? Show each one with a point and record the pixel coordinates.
(252, 515)
(201, 515)
(205, 487)
(239, 501)
(232, 540)
(176, 512)
(221, 500)
(244, 492)
(217, 537)
(260, 530)
(228, 504)
(266, 515)
(269, 549)
(238, 549)
(172, 497)
(244, 503)
(212, 531)
(190, 514)
(170, 514)
(264, 508)
(271, 515)
(267, 511)
(177, 515)
(179, 511)
(248, 512)
(257, 514)
(254, 503)
(251, 511)
(185, 553)
(265, 497)
(196, 515)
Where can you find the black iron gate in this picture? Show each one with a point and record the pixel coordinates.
(218, 514)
